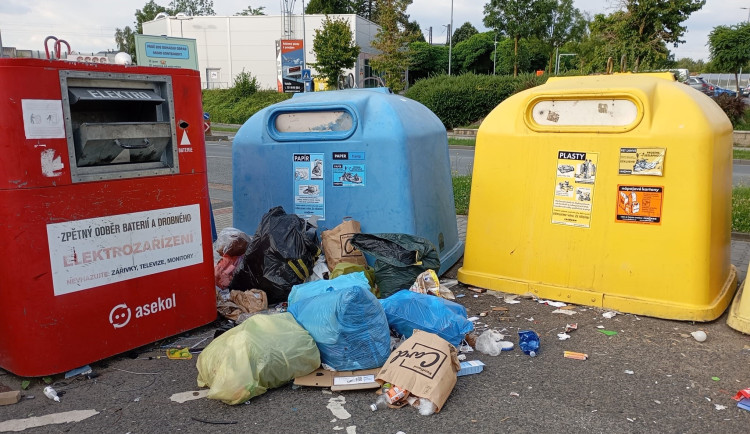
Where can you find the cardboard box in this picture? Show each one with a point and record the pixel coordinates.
(425, 365)
(340, 380)
(7, 398)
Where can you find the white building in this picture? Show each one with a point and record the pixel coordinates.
(227, 45)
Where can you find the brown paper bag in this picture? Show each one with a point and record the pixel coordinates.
(425, 365)
(336, 245)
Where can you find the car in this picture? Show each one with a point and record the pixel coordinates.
(698, 83)
(721, 91)
(745, 91)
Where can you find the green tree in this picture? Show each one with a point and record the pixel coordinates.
(334, 49)
(392, 42)
(568, 24)
(192, 7)
(690, 64)
(729, 47)
(464, 32)
(475, 53)
(414, 31)
(427, 60)
(249, 10)
(519, 19)
(532, 56)
(125, 37)
(330, 7)
(647, 26)
(366, 9)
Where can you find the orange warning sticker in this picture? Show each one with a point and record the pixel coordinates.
(639, 204)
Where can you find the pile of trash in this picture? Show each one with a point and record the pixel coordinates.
(331, 312)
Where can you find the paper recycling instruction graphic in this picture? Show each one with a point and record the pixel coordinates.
(309, 185)
(574, 188)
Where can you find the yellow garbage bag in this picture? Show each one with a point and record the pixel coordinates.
(263, 352)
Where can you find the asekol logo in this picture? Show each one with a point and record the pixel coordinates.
(121, 314)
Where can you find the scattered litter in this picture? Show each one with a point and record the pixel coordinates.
(179, 354)
(483, 314)
(744, 393)
(473, 318)
(574, 355)
(629, 372)
(608, 332)
(491, 343)
(214, 422)
(25, 384)
(326, 392)
(476, 296)
(461, 357)
(528, 341)
(565, 311)
(460, 295)
(529, 295)
(83, 370)
(610, 314)
(657, 401)
(720, 407)
(188, 396)
(138, 399)
(744, 404)
(500, 308)
(570, 327)
(563, 336)
(470, 367)
(530, 319)
(630, 420)
(511, 299)
(477, 290)
(336, 405)
(699, 335)
(51, 393)
(8, 398)
(716, 378)
(552, 303)
(600, 326)
(514, 394)
(49, 419)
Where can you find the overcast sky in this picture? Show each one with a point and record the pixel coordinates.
(89, 25)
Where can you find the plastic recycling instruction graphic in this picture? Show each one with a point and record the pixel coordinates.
(642, 161)
(349, 169)
(309, 185)
(574, 188)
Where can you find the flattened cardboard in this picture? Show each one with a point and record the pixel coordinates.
(340, 380)
(7, 398)
(425, 365)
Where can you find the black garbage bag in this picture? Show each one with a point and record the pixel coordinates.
(399, 258)
(281, 254)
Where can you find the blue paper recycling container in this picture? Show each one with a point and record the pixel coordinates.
(368, 154)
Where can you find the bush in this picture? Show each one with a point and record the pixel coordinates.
(463, 99)
(224, 108)
(733, 107)
(245, 84)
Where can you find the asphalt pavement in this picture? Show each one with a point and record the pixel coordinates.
(651, 376)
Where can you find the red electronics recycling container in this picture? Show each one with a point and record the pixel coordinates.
(104, 211)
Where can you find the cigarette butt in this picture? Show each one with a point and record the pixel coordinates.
(574, 355)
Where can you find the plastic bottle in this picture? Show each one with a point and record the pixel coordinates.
(51, 393)
(528, 340)
(380, 403)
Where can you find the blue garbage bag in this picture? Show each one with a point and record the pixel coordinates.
(348, 325)
(317, 287)
(407, 311)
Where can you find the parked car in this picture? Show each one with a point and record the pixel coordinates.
(745, 91)
(699, 84)
(721, 91)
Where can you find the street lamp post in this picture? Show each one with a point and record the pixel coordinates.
(494, 56)
(559, 55)
(450, 41)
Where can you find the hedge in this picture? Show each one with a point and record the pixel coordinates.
(460, 100)
(225, 107)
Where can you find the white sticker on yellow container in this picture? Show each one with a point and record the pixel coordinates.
(43, 118)
(574, 188)
(585, 112)
(642, 161)
(99, 251)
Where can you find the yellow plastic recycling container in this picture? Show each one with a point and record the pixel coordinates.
(611, 191)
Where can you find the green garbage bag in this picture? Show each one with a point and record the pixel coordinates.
(399, 258)
(264, 352)
(348, 267)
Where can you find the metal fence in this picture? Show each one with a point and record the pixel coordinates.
(726, 81)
